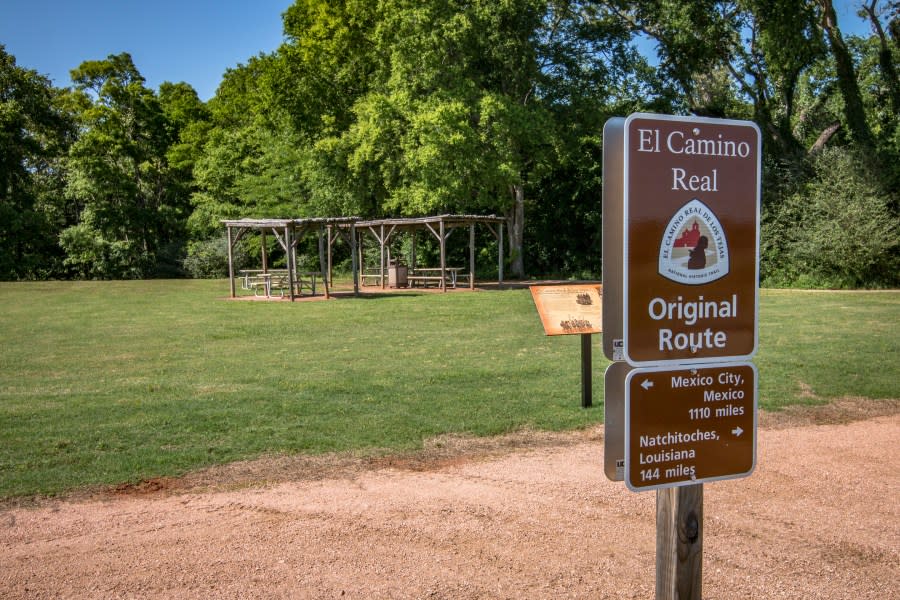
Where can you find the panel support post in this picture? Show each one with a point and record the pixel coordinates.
(679, 542)
(587, 386)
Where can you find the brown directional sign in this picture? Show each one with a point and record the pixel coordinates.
(691, 239)
(569, 309)
(688, 425)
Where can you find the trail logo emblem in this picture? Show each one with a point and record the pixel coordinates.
(693, 249)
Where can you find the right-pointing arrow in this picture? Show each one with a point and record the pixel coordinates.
(737, 431)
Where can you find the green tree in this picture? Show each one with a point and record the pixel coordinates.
(421, 107)
(34, 133)
(129, 203)
(590, 72)
(187, 122)
(719, 55)
(251, 158)
(854, 113)
(403, 107)
(875, 12)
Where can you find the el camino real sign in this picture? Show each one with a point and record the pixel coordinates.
(690, 239)
(681, 201)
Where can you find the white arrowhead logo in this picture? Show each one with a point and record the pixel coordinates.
(737, 431)
(647, 384)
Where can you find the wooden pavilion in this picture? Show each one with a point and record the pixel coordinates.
(288, 232)
(440, 227)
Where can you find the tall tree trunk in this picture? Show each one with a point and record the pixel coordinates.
(515, 226)
(846, 73)
(885, 57)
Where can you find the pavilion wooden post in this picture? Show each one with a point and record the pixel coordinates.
(359, 249)
(443, 257)
(472, 256)
(498, 233)
(381, 266)
(324, 266)
(291, 258)
(354, 262)
(500, 239)
(679, 543)
(230, 262)
(297, 238)
(328, 231)
(264, 251)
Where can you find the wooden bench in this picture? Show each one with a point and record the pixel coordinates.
(372, 275)
(423, 279)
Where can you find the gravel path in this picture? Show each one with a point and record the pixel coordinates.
(524, 516)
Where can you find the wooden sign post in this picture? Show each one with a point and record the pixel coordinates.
(681, 201)
(569, 310)
(679, 543)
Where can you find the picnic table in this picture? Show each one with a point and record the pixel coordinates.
(256, 280)
(370, 277)
(426, 275)
(265, 283)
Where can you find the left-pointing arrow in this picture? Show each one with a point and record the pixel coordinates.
(647, 384)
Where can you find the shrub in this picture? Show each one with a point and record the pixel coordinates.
(838, 231)
(208, 259)
(90, 255)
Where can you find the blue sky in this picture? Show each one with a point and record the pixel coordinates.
(188, 40)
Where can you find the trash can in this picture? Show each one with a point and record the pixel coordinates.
(397, 276)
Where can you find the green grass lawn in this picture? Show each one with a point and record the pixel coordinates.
(110, 382)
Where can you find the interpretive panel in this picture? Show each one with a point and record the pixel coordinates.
(569, 309)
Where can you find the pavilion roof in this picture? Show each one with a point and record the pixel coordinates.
(281, 223)
(446, 219)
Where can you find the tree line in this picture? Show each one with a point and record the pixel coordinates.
(416, 107)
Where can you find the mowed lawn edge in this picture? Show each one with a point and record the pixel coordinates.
(104, 383)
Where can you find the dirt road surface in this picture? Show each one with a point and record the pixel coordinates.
(529, 515)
